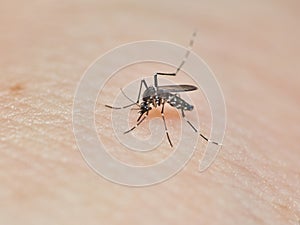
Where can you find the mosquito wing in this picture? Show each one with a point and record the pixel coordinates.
(177, 88)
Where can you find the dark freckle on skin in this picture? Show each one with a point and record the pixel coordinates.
(16, 88)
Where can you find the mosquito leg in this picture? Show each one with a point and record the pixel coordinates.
(194, 128)
(166, 129)
(187, 52)
(181, 64)
(166, 74)
(143, 82)
(138, 123)
(139, 118)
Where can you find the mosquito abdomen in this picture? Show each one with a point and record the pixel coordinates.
(179, 103)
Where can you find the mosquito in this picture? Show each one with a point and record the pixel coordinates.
(158, 95)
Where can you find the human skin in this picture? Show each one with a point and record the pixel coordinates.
(253, 48)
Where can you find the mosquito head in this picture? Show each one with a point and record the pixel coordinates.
(144, 107)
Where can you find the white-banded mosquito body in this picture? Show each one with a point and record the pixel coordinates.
(156, 95)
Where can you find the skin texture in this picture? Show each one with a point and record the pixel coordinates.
(253, 48)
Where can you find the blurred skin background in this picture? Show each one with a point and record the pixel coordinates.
(253, 48)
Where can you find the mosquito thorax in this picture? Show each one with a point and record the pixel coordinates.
(148, 93)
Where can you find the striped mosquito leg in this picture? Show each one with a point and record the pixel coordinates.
(196, 130)
(166, 129)
(187, 52)
(137, 124)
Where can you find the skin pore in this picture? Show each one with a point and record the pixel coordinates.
(251, 46)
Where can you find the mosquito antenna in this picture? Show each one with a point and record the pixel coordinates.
(128, 97)
(188, 51)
